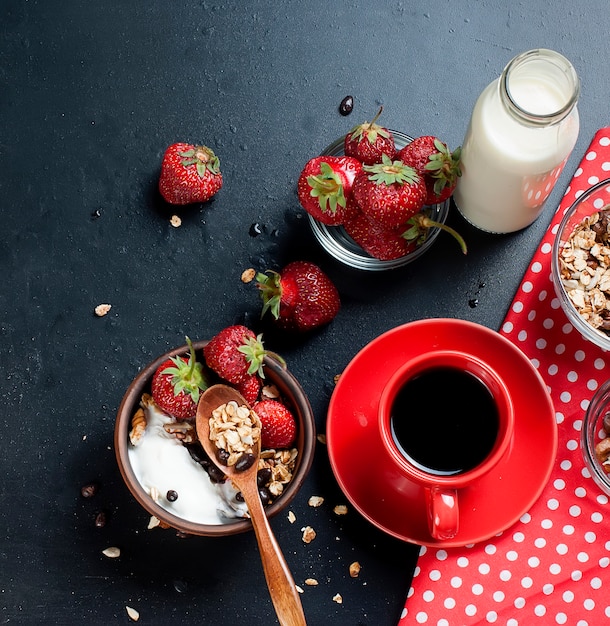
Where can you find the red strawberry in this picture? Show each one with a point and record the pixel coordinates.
(235, 353)
(432, 159)
(177, 384)
(325, 186)
(382, 243)
(189, 174)
(250, 388)
(278, 425)
(367, 142)
(300, 297)
(389, 192)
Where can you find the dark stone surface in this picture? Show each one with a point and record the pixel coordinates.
(91, 93)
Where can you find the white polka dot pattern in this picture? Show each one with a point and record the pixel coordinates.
(553, 566)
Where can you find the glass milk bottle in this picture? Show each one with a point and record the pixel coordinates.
(522, 130)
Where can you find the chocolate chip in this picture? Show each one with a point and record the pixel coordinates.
(347, 105)
(223, 456)
(172, 495)
(245, 461)
(101, 519)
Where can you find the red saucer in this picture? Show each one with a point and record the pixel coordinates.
(376, 488)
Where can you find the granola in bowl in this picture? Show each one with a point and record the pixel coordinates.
(581, 264)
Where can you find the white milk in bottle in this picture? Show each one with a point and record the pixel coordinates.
(522, 130)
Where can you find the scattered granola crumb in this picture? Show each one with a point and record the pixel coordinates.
(248, 275)
(102, 309)
(354, 569)
(338, 598)
(132, 613)
(340, 509)
(321, 438)
(153, 522)
(309, 534)
(315, 501)
(300, 589)
(292, 518)
(336, 378)
(311, 582)
(112, 553)
(175, 221)
(270, 391)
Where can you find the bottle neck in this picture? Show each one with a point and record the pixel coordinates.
(539, 88)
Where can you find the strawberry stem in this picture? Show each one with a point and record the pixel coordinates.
(420, 224)
(426, 222)
(276, 357)
(192, 358)
(376, 116)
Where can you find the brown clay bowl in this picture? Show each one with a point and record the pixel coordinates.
(275, 374)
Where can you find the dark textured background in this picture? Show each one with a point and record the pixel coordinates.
(91, 93)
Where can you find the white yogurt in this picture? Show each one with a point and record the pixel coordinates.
(161, 463)
(510, 166)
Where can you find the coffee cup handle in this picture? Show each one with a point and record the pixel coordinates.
(443, 518)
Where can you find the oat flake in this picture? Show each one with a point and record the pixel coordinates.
(112, 553)
(132, 613)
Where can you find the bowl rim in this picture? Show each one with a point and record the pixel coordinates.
(287, 384)
(586, 330)
(588, 434)
(330, 237)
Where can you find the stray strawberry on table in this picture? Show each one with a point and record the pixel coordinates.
(189, 174)
(300, 297)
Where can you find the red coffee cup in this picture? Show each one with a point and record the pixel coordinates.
(446, 419)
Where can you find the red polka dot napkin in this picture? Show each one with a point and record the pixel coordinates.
(553, 566)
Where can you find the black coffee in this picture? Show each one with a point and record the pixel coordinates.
(444, 420)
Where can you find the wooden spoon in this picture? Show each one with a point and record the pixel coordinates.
(282, 589)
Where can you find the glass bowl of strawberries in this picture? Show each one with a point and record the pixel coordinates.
(360, 240)
(163, 463)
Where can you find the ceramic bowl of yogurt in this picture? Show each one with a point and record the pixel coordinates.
(167, 476)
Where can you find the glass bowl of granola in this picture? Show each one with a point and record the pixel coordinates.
(581, 264)
(595, 437)
(169, 475)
